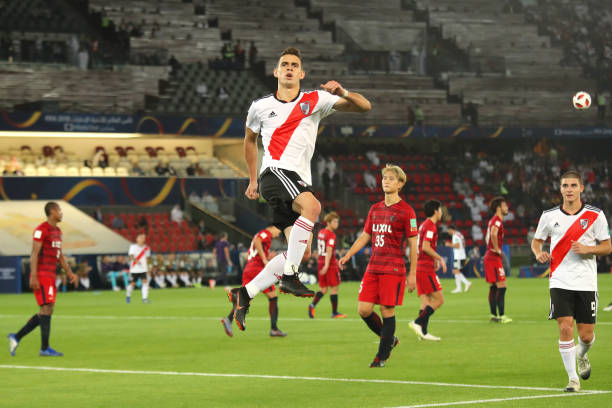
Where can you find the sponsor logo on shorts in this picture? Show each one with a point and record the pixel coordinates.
(302, 183)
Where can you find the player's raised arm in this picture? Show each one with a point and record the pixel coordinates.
(349, 101)
(359, 243)
(250, 156)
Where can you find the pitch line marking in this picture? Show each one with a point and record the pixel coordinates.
(485, 401)
(292, 319)
(284, 377)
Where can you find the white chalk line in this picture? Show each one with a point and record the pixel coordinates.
(294, 319)
(485, 401)
(284, 377)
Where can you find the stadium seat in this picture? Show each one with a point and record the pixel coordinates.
(85, 172)
(122, 172)
(97, 172)
(110, 172)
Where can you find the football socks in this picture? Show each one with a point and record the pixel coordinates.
(297, 242)
(334, 303)
(387, 337)
(273, 309)
(583, 348)
(493, 299)
(501, 300)
(267, 277)
(423, 318)
(317, 297)
(45, 330)
(28, 327)
(374, 323)
(568, 355)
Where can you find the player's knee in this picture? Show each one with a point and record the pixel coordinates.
(364, 311)
(312, 210)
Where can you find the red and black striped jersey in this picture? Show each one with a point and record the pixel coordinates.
(51, 238)
(388, 226)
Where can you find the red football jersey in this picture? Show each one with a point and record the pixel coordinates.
(495, 222)
(428, 231)
(388, 226)
(326, 239)
(253, 258)
(51, 238)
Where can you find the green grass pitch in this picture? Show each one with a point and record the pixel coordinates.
(174, 353)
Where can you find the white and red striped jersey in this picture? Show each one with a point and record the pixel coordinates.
(289, 129)
(569, 270)
(140, 254)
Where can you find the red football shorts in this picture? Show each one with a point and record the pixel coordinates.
(427, 282)
(46, 293)
(382, 289)
(494, 269)
(331, 278)
(250, 273)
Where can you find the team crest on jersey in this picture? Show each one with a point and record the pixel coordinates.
(584, 223)
(392, 218)
(305, 107)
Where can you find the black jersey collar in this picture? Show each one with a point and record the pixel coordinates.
(293, 100)
(566, 213)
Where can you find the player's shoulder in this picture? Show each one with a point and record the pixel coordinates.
(262, 99)
(550, 210)
(43, 226)
(263, 234)
(405, 206)
(592, 208)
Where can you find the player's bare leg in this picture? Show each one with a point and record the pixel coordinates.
(567, 349)
(501, 301)
(586, 338)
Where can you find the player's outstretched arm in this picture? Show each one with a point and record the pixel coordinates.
(349, 101)
(359, 243)
(250, 156)
(536, 248)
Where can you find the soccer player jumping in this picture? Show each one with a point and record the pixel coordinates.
(46, 251)
(578, 233)
(288, 121)
(384, 281)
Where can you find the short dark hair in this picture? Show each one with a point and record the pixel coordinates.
(572, 174)
(291, 51)
(431, 207)
(51, 205)
(452, 226)
(496, 202)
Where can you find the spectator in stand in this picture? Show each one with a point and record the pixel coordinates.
(158, 271)
(373, 157)
(477, 234)
(118, 268)
(83, 270)
(97, 215)
(600, 97)
(369, 180)
(252, 55)
(210, 202)
(419, 118)
(222, 93)
(240, 55)
(176, 214)
(171, 266)
(164, 169)
(117, 223)
(202, 90)
(224, 262)
(136, 170)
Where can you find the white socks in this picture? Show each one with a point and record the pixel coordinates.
(185, 278)
(463, 278)
(129, 289)
(268, 276)
(568, 355)
(297, 243)
(583, 348)
(172, 278)
(458, 281)
(145, 290)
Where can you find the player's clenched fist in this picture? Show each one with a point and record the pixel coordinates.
(333, 88)
(543, 257)
(251, 191)
(342, 261)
